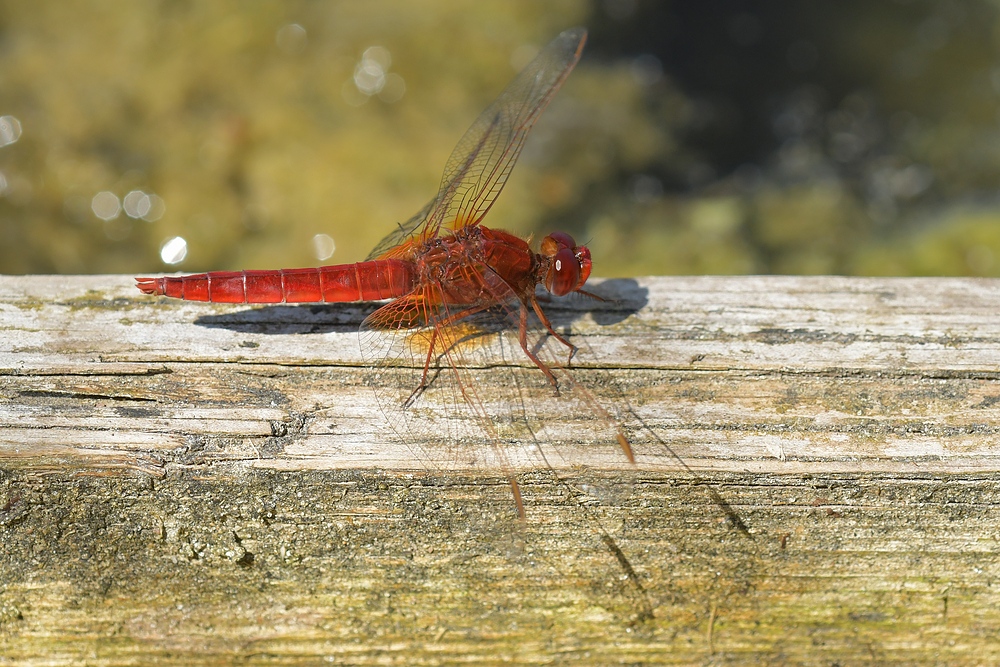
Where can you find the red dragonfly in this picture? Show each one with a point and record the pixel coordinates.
(460, 289)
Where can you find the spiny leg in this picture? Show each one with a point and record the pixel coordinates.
(548, 325)
(435, 335)
(623, 442)
(419, 389)
(522, 337)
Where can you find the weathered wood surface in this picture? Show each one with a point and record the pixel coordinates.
(818, 482)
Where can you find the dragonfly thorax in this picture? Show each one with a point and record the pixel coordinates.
(473, 265)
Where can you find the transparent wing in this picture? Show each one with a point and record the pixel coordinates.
(483, 405)
(481, 162)
(401, 236)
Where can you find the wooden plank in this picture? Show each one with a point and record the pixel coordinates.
(817, 479)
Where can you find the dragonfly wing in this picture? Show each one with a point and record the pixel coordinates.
(479, 166)
(419, 375)
(488, 415)
(403, 233)
(481, 162)
(458, 389)
(408, 312)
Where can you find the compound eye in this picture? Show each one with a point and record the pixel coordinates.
(555, 241)
(583, 258)
(564, 273)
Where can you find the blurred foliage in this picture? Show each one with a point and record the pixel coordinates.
(725, 137)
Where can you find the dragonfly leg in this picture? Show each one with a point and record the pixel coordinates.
(419, 389)
(623, 442)
(435, 334)
(522, 337)
(548, 325)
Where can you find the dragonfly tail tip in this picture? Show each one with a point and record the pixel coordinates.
(148, 285)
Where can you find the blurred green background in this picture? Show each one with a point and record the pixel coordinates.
(843, 137)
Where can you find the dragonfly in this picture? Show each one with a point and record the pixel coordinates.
(463, 295)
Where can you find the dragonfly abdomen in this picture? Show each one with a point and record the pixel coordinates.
(363, 281)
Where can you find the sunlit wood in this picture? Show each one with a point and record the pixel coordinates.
(217, 482)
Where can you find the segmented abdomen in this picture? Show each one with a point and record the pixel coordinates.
(364, 281)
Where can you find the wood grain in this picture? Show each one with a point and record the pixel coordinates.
(816, 482)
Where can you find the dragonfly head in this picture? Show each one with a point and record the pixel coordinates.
(569, 264)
